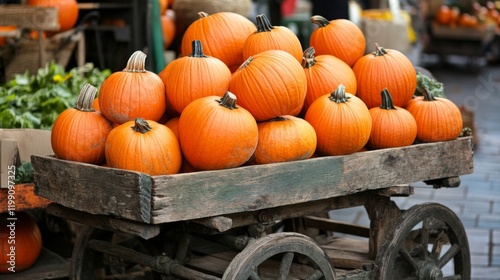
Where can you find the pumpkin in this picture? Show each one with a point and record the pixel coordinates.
(133, 93)
(67, 11)
(340, 37)
(270, 84)
(145, 146)
(79, 134)
(342, 123)
(168, 30)
(438, 119)
(222, 34)
(95, 104)
(191, 77)
(324, 73)
(385, 68)
(285, 138)
(173, 124)
(268, 37)
(443, 15)
(27, 244)
(392, 126)
(215, 133)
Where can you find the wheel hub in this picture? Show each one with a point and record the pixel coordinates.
(429, 271)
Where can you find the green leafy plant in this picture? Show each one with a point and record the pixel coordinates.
(24, 173)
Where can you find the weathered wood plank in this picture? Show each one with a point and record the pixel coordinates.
(31, 17)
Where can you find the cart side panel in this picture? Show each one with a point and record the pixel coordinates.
(94, 189)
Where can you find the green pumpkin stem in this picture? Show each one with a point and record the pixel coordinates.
(428, 96)
(228, 101)
(86, 98)
(387, 102)
(141, 125)
(379, 51)
(339, 95)
(263, 23)
(136, 63)
(320, 21)
(308, 59)
(197, 49)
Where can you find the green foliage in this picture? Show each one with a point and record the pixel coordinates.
(433, 86)
(24, 173)
(35, 101)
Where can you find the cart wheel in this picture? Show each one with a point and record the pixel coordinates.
(90, 264)
(272, 256)
(426, 238)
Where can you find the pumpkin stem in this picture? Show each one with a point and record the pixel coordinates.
(197, 49)
(86, 98)
(263, 23)
(278, 119)
(228, 101)
(202, 14)
(428, 96)
(379, 51)
(319, 20)
(141, 125)
(136, 63)
(246, 63)
(308, 59)
(339, 95)
(387, 102)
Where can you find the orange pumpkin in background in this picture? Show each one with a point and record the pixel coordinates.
(168, 29)
(68, 11)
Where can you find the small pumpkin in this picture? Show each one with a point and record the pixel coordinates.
(28, 243)
(339, 37)
(168, 29)
(385, 68)
(392, 126)
(133, 93)
(342, 123)
(268, 37)
(285, 138)
(191, 77)
(145, 146)
(79, 133)
(438, 119)
(216, 134)
(67, 11)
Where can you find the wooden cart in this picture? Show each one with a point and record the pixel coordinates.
(265, 221)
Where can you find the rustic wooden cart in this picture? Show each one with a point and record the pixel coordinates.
(265, 221)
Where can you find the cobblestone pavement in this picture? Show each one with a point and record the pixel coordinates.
(477, 200)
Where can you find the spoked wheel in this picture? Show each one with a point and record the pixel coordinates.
(87, 263)
(286, 255)
(428, 242)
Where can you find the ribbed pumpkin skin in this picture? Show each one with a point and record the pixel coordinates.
(222, 34)
(28, 242)
(190, 77)
(341, 128)
(392, 70)
(156, 152)
(215, 137)
(286, 138)
(437, 120)
(270, 84)
(340, 38)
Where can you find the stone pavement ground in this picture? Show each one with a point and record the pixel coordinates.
(477, 200)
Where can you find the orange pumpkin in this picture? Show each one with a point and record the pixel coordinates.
(67, 11)
(6, 28)
(216, 134)
(385, 68)
(222, 34)
(79, 133)
(173, 124)
(443, 15)
(270, 84)
(340, 38)
(168, 30)
(24, 251)
(133, 93)
(342, 123)
(144, 146)
(392, 126)
(191, 77)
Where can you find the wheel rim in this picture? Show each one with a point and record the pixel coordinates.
(427, 240)
(275, 256)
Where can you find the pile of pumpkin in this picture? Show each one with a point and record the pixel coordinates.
(244, 93)
(476, 16)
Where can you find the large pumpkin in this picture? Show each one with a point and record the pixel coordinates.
(270, 84)
(67, 11)
(385, 68)
(79, 133)
(133, 93)
(340, 37)
(342, 123)
(20, 253)
(144, 146)
(222, 34)
(190, 77)
(215, 133)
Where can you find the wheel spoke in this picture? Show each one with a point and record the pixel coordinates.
(450, 254)
(438, 246)
(424, 239)
(286, 263)
(408, 258)
(316, 275)
(453, 277)
(255, 274)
